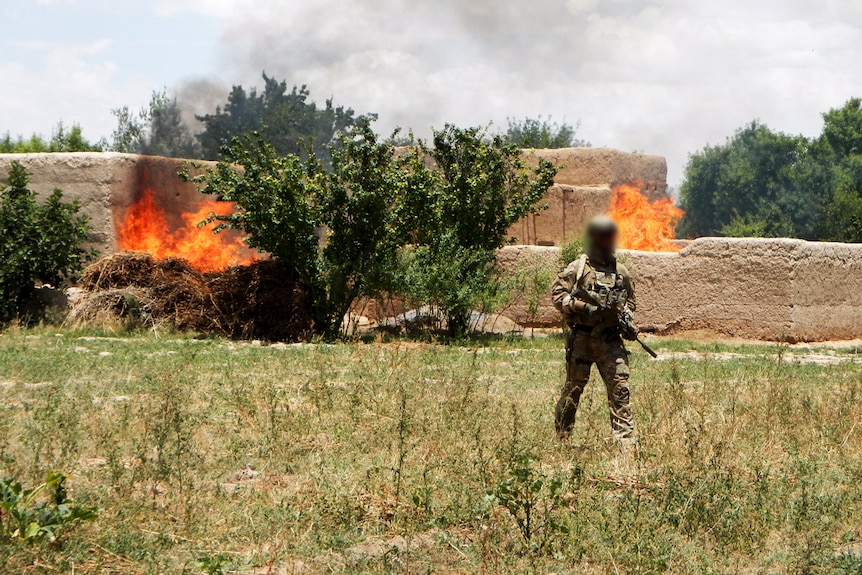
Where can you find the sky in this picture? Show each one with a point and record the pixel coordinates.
(657, 76)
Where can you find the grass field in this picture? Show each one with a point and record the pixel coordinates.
(210, 456)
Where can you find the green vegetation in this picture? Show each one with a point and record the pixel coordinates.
(28, 515)
(459, 214)
(62, 140)
(157, 130)
(764, 183)
(286, 120)
(285, 201)
(208, 456)
(391, 223)
(39, 242)
(543, 133)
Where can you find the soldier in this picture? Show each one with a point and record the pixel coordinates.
(592, 336)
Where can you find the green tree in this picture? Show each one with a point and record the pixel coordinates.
(842, 137)
(286, 119)
(129, 132)
(286, 203)
(38, 242)
(167, 134)
(459, 214)
(62, 140)
(842, 129)
(543, 133)
(158, 130)
(759, 181)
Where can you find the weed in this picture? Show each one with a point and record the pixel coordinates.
(24, 516)
(406, 456)
(533, 499)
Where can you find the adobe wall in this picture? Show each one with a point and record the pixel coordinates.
(106, 184)
(604, 167)
(754, 288)
(583, 189)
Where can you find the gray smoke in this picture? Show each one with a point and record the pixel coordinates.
(199, 96)
(661, 76)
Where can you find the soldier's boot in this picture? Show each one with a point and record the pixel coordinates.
(577, 376)
(614, 370)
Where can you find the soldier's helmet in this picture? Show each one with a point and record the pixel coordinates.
(602, 226)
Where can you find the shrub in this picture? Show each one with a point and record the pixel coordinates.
(26, 515)
(284, 204)
(424, 224)
(461, 212)
(38, 242)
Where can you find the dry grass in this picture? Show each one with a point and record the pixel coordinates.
(263, 300)
(213, 456)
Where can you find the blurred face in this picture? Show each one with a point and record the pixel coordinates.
(605, 243)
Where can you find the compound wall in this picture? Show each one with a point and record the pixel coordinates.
(106, 185)
(754, 288)
(583, 189)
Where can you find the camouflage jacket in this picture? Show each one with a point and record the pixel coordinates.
(611, 275)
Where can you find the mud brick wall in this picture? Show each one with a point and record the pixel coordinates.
(583, 189)
(106, 185)
(771, 289)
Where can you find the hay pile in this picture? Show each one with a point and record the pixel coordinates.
(262, 301)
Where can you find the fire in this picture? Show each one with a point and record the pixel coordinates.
(644, 225)
(146, 229)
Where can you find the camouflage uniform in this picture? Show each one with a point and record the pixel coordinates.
(585, 347)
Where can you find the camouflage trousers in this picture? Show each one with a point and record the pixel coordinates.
(610, 356)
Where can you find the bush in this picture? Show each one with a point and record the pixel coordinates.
(38, 242)
(285, 202)
(461, 212)
(572, 249)
(370, 221)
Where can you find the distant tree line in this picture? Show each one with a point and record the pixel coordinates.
(61, 140)
(769, 184)
(286, 117)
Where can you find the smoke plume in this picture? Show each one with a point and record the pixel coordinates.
(661, 76)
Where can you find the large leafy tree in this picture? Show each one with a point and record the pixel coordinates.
(285, 118)
(764, 183)
(38, 242)
(760, 182)
(335, 227)
(842, 139)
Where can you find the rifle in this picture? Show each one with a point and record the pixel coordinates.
(615, 304)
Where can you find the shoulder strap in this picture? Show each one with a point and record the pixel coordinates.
(581, 268)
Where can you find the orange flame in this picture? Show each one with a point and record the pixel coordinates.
(644, 225)
(146, 229)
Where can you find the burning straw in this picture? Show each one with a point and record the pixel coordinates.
(264, 300)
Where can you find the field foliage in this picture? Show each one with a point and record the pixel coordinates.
(208, 456)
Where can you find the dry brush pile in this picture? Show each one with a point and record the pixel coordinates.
(264, 300)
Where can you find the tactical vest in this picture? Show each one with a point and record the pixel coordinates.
(607, 287)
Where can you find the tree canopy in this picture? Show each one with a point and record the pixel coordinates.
(766, 183)
(285, 118)
(543, 133)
